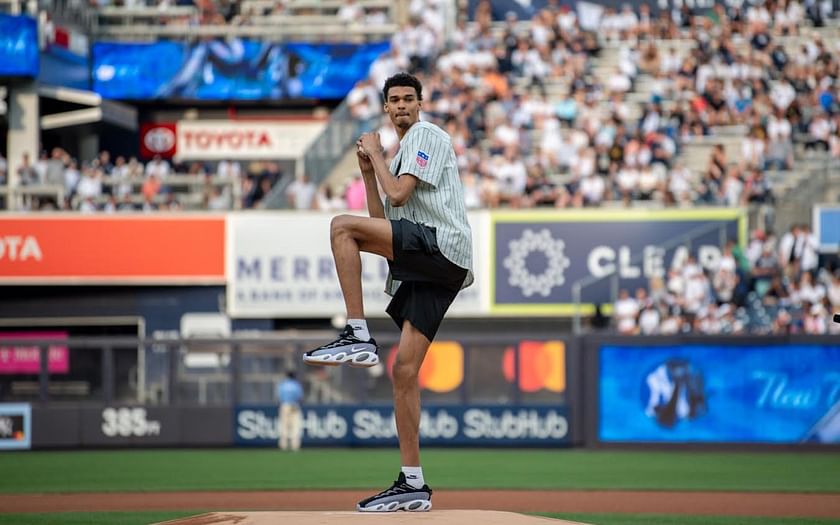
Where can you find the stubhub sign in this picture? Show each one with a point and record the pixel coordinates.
(372, 426)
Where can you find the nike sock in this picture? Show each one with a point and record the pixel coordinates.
(360, 328)
(414, 476)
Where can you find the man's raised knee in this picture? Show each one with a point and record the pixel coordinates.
(340, 225)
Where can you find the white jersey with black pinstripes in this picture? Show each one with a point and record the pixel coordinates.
(438, 199)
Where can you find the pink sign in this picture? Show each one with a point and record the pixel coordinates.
(25, 359)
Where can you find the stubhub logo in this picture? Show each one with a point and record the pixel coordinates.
(346, 425)
(257, 425)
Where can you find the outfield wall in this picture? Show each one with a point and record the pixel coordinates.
(597, 391)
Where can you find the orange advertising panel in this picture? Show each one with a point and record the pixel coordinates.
(163, 249)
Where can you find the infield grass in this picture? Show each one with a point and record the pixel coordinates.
(268, 469)
(145, 518)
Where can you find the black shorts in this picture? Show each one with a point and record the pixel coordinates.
(430, 281)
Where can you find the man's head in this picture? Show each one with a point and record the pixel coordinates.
(403, 95)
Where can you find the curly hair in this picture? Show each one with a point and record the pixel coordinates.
(403, 79)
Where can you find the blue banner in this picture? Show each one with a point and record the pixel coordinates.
(15, 426)
(443, 425)
(230, 69)
(719, 394)
(18, 46)
(525, 10)
(827, 227)
(62, 67)
(539, 256)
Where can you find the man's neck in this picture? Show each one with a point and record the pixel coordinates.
(401, 132)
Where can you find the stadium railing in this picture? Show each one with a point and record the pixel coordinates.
(281, 29)
(324, 152)
(20, 193)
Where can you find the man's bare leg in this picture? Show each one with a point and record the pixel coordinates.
(406, 371)
(350, 235)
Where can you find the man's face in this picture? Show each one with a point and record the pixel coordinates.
(402, 106)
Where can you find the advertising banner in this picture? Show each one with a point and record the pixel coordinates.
(281, 265)
(61, 67)
(26, 359)
(781, 394)
(160, 249)
(538, 256)
(15, 426)
(525, 10)
(158, 139)
(75, 426)
(230, 68)
(251, 140)
(18, 46)
(827, 228)
(457, 425)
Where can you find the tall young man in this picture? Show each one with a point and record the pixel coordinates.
(422, 231)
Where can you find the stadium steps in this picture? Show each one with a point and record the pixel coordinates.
(343, 172)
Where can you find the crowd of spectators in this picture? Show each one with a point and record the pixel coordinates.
(245, 12)
(521, 145)
(535, 124)
(124, 184)
(774, 286)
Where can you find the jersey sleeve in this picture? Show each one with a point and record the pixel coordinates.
(424, 156)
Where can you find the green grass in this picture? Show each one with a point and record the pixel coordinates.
(254, 469)
(92, 518)
(144, 518)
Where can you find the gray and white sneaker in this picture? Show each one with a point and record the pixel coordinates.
(346, 349)
(400, 496)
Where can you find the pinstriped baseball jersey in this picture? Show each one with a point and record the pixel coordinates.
(438, 199)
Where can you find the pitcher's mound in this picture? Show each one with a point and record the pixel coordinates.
(439, 517)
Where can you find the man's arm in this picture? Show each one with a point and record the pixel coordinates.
(398, 189)
(374, 201)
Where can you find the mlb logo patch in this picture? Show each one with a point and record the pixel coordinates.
(422, 159)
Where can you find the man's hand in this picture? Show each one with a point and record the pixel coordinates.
(365, 165)
(370, 143)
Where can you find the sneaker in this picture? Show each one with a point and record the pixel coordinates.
(346, 349)
(401, 496)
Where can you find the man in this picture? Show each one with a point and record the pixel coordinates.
(289, 394)
(422, 231)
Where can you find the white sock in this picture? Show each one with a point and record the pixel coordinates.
(360, 328)
(414, 476)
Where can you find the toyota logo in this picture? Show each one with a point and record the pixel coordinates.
(159, 140)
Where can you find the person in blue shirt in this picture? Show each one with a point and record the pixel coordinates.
(290, 423)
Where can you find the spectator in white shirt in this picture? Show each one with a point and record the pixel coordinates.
(780, 148)
(351, 11)
(625, 311)
(158, 167)
(301, 193)
(71, 178)
(820, 131)
(805, 249)
(592, 189)
(90, 185)
(229, 170)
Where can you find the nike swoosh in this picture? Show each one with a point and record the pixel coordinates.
(357, 348)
